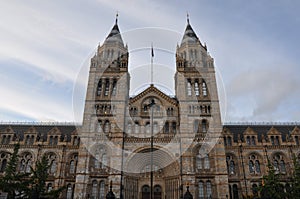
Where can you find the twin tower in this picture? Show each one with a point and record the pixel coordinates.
(151, 145)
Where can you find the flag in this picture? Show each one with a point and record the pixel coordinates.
(152, 51)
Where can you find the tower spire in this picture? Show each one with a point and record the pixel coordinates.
(117, 15)
(188, 17)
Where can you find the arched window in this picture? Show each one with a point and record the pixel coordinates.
(167, 127)
(189, 87)
(106, 87)
(52, 160)
(102, 190)
(73, 164)
(235, 192)
(204, 89)
(114, 88)
(282, 166)
(129, 128)
(272, 140)
(49, 187)
(204, 126)
(94, 189)
(173, 127)
(276, 166)
(197, 93)
(254, 190)
(155, 127)
(251, 166)
(147, 127)
(278, 163)
(106, 126)
(297, 140)
(206, 162)
(96, 160)
(196, 126)
(208, 189)
(229, 141)
(257, 166)
(27, 140)
(3, 165)
(201, 190)
(53, 167)
(25, 163)
(69, 191)
(198, 162)
(99, 88)
(253, 142)
(104, 160)
(277, 140)
(230, 164)
(3, 139)
(248, 141)
(136, 127)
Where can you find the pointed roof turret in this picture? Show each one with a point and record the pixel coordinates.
(189, 34)
(114, 35)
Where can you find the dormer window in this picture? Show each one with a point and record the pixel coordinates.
(297, 140)
(253, 142)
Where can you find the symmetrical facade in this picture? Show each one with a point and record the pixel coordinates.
(152, 143)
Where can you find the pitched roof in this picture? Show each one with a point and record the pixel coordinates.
(260, 129)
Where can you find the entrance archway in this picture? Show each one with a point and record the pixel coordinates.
(145, 192)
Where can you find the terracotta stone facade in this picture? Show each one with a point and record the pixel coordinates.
(191, 147)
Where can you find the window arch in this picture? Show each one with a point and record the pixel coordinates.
(167, 130)
(189, 87)
(208, 189)
(94, 189)
(204, 89)
(202, 160)
(197, 93)
(253, 141)
(230, 164)
(52, 161)
(196, 126)
(204, 125)
(206, 161)
(25, 163)
(106, 126)
(99, 88)
(200, 190)
(73, 163)
(254, 164)
(3, 161)
(102, 190)
(69, 191)
(235, 191)
(279, 163)
(49, 187)
(114, 87)
(136, 127)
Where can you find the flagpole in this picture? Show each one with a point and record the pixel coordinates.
(152, 55)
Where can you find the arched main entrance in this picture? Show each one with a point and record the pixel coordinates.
(157, 192)
(165, 171)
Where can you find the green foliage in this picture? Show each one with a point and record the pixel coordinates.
(294, 191)
(27, 185)
(13, 183)
(271, 187)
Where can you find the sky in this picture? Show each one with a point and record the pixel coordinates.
(46, 47)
